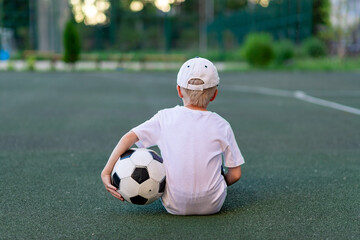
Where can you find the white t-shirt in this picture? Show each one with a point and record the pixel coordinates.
(192, 144)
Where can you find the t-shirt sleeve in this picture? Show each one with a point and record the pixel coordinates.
(148, 132)
(232, 154)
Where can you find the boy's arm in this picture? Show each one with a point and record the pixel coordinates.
(124, 144)
(233, 175)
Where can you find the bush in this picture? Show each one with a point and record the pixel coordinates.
(71, 43)
(11, 66)
(30, 61)
(314, 47)
(258, 49)
(284, 51)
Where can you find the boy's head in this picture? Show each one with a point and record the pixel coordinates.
(198, 80)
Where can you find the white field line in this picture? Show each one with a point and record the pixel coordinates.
(300, 95)
(304, 97)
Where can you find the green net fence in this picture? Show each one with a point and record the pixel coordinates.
(179, 30)
(291, 19)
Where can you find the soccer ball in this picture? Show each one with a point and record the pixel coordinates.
(139, 175)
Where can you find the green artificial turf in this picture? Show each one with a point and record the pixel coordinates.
(300, 180)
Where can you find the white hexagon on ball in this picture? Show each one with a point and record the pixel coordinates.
(128, 188)
(123, 168)
(156, 170)
(149, 189)
(141, 157)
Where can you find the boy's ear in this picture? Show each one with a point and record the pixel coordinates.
(215, 94)
(179, 91)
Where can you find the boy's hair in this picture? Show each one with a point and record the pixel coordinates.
(196, 97)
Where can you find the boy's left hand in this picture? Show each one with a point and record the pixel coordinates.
(110, 188)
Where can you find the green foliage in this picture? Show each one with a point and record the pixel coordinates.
(38, 55)
(327, 64)
(135, 56)
(71, 43)
(30, 61)
(235, 4)
(284, 51)
(258, 50)
(11, 66)
(321, 14)
(314, 47)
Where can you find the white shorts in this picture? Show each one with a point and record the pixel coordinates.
(205, 204)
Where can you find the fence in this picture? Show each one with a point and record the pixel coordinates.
(36, 25)
(290, 19)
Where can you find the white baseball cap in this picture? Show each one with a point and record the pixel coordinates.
(199, 68)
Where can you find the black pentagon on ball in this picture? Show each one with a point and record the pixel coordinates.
(162, 186)
(140, 175)
(115, 180)
(127, 154)
(156, 157)
(139, 200)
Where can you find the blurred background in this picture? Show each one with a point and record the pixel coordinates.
(260, 33)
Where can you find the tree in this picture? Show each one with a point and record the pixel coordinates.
(321, 15)
(71, 43)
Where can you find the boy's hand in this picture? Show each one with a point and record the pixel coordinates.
(124, 144)
(110, 188)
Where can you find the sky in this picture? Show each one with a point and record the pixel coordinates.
(345, 13)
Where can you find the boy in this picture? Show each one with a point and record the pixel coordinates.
(192, 142)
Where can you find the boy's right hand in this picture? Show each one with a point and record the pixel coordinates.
(124, 144)
(109, 187)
